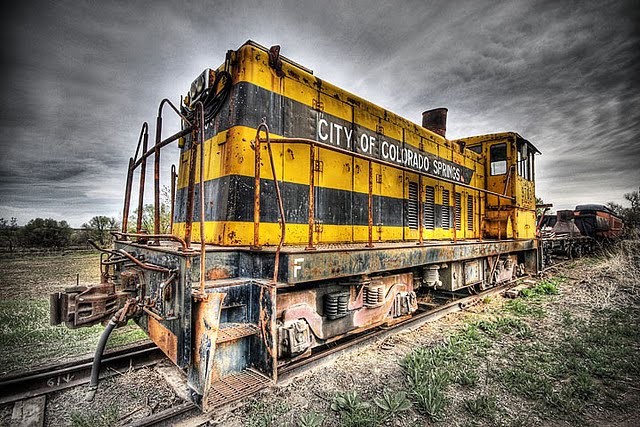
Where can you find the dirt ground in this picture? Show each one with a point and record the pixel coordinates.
(590, 286)
(587, 288)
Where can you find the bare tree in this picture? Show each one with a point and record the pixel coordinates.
(9, 232)
(99, 228)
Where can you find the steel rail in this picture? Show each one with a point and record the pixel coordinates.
(166, 415)
(65, 375)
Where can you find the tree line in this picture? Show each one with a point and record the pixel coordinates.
(52, 234)
(48, 233)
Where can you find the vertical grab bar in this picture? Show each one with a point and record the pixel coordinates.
(312, 178)
(283, 225)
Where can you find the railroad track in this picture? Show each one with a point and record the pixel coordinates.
(50, 379)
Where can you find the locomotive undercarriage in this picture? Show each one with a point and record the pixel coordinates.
(245, 327)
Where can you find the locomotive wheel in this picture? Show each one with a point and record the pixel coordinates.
(577, 251)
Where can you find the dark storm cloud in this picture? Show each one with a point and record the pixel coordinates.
(79, 78)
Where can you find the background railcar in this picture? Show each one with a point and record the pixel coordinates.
(572, 233)
(598, 221)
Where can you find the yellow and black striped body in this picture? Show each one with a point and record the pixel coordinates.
(296, 104)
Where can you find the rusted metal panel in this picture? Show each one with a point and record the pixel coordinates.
(266, 348)
(164, 338)
(206, 316)
(329, 264)
(367, 303)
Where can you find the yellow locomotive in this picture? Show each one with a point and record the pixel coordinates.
(318, 216)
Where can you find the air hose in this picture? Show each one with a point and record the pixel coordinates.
(97, 358)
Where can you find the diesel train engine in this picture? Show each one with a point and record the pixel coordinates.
(302, 216)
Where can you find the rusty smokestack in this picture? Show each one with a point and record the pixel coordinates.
(435, 120)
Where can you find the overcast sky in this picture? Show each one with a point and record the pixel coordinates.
(79, 78)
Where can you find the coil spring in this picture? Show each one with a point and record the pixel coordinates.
(336, 305)
(373, 296)
(431, 275)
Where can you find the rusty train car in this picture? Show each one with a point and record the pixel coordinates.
(598, 221)
(572, 233)
(303, 215)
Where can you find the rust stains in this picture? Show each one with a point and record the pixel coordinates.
(164, 339)
(218, 273)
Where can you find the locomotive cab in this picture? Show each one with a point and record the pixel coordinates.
(510, 168)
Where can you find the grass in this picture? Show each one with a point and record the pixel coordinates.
(355, 412)
(263, 415)
(529, 305)
(560, 373)
(348, 409)
(310, 419)
(481, 406)
(26, 338)
(432, 371)
(106, 417)
(35, 276)
(565, 375)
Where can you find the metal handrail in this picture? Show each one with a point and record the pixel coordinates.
(136, 161)
(312, 144)
(283, 224)
(203, 252)
(173, 237)
(383, 162)
(156, 164)
(144, 132)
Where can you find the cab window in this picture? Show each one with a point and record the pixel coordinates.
(498, 159)
(525, 161)
(476, 149)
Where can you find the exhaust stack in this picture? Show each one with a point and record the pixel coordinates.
(435, 120)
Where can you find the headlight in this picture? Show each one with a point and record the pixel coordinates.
(200, 83)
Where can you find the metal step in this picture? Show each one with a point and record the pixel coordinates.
(234, 331)
(235, 386)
